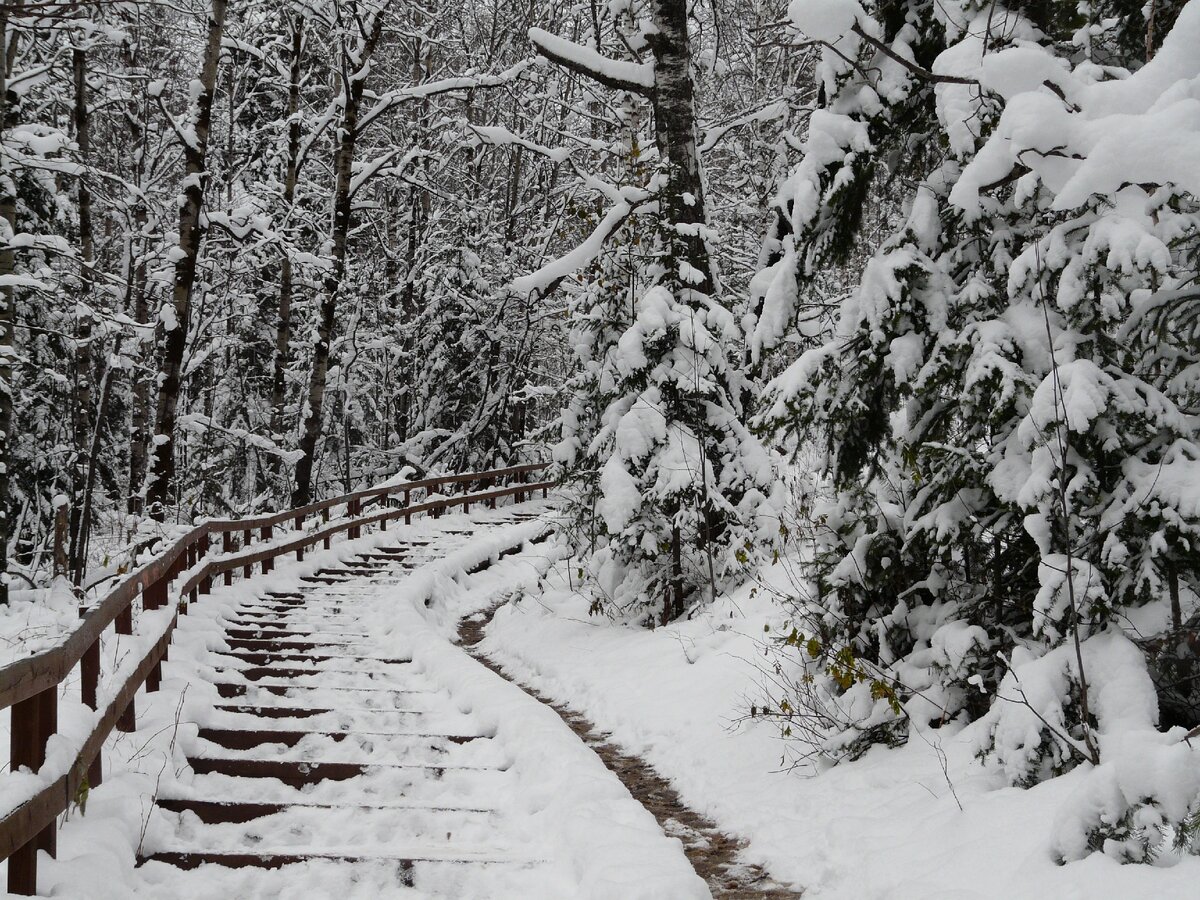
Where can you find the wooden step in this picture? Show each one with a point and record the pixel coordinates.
(268, 645)
(229, 690)
(284, 634)
(273, 712)
(294, 774)
(258, 672)
(219, 812)
(298, 773)
(236, 739)
(262, 658)
(191, 860)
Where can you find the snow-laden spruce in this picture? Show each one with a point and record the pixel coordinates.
(673, 489)
(1008, 402)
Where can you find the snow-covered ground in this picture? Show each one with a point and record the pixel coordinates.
(886, 826)
(560, 809)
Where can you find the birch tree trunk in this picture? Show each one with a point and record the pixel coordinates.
(191, 234)
(354, 80)
(675, 135)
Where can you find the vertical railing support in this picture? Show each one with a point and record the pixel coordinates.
(33, 721)
(299, 528)
(89, 681)
(245, 545)
(353, 509)
(265, 536)
(227, 547)
(124, 625)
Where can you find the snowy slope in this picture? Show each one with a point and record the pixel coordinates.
(886, 826)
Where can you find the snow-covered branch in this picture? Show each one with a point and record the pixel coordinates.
(637, 78)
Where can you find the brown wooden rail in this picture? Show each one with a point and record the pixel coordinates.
(31, 685)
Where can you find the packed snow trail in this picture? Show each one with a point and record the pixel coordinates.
(338, 743)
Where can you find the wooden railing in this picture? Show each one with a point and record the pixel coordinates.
(31, 686)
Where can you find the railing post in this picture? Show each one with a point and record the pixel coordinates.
(89, 680)
(353, 508)
(407, 503)
(299, 527)
(201, 554)
(246, 545)
(227, 547)
(33, 721)
(265, 536)
(155, 595)
(124, 625)
(60, 539)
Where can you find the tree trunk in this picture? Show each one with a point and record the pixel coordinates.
(136, 303)
(283, 331)
(93, 458)
(84, 364)
(8, 262)
(353, 85)
(675, 135)
(191, 233)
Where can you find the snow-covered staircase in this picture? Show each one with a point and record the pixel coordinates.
(322, 762)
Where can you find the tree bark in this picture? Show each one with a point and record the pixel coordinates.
(84, 363)
(136, 301)
(8, 262)
(675, 134)
(191, 234)
(353, 84)
(283, 331)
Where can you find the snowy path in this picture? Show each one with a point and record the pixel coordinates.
(338, 744)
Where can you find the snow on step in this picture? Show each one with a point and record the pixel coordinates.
(314, 739)
(341, 746)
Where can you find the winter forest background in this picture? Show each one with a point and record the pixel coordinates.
(903, 293)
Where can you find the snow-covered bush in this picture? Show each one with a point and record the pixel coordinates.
(1007, 404)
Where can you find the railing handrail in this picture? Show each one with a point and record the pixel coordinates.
(25, 677)
(34, 681)
(223, 525)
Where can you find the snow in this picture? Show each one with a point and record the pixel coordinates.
(640, 74)
(825, 20)
(550, 819)
(35, 620)
(1142, 130)
(886, 826)
(554, 271)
